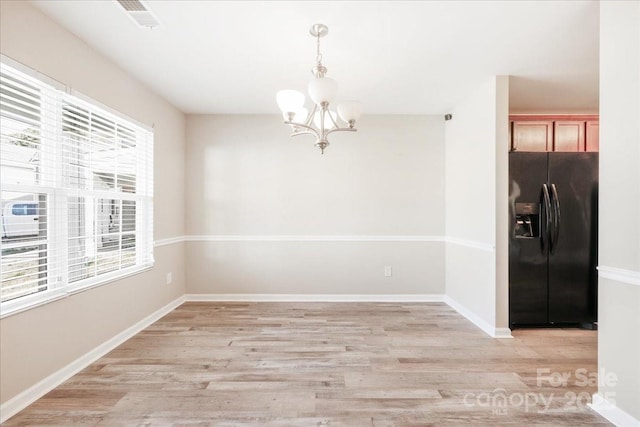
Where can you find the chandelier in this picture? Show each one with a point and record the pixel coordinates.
(321, 121)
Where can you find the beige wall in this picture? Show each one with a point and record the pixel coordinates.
(475, 138)
(38, 342)
(619, 208)
(470, 167)
(315, 267)
(502, 201)
(247, 177)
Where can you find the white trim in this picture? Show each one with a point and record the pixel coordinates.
(33, 393)
(301, 238)
(324, 238)
(477, 320)
(310, 238)
(316, 297)
(611, 412)
(320, 238)
(30, 301)
(502, 333)
(168, 241)
(470, 315)
(619, 275)
(488, 329)
(19, 305)
(471, 244)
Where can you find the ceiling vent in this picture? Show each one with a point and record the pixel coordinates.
(139, 13)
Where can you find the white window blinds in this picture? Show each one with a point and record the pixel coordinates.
(76, 192)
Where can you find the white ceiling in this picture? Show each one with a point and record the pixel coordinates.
(397, 57)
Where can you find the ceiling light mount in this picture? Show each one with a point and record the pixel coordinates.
(321, 121)
(319, 30)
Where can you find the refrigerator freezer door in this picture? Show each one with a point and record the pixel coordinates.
(572, 263)
(527, 256)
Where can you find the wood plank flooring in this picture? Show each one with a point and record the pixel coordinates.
(328, 364)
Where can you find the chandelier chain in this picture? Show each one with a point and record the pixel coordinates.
(318, 54)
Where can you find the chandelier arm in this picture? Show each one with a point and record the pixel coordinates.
(304, 132)
(311, 114)
(309, 130)
(333, 121)
(322, 129)
(341, 130)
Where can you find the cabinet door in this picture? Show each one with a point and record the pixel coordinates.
(593, 135)
(569, 135)
(532, 135)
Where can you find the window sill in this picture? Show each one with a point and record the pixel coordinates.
(11, 308)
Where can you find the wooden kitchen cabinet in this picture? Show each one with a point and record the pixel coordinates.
(532, 135)
(593, 135)
(567, 133)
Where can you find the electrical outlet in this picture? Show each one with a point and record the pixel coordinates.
(169, 278)
(387, 271)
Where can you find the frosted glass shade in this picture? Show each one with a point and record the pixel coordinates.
(350, 110)
(289, 100)
(322, 90)
(301, 115)
(328, 124)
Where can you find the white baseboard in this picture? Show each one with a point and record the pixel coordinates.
(35, 392)
(488, 329)
(317, 297)
(612, 413)
(477, 320)
(502, 333)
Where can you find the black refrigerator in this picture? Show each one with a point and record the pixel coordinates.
(553, 239)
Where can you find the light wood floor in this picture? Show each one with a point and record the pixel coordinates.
(307, 364)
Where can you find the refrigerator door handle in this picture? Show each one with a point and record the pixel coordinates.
(556, 217)
(545, 236)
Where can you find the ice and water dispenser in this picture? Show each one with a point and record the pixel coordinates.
(527, 221)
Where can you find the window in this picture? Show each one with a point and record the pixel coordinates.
(24, 209)
(76, 191)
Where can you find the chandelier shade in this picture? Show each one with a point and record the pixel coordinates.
(290, 100)
(323, 90)
(350, 110)
(320, 121)
(301, 114)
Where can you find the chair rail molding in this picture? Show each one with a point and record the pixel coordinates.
(619, 275)
(311, 238)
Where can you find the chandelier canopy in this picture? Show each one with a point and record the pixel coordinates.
(321, 121)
